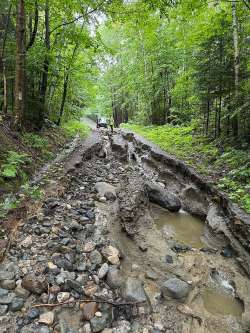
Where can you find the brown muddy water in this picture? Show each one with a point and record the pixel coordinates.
(181, 226)
(218, 303)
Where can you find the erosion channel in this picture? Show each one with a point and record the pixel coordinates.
(145, 240)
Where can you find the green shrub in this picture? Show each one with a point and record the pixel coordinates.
(10, 202)
(33, 192)
(74, 127)
(35, 141)
(13, 167)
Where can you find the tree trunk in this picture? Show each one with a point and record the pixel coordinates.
(33, 31)
(65, 86)
(45, 73)
(3, 63)
(20, 67)
(235, 124)
(65, 89)
(5, 92)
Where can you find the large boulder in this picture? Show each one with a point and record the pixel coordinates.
(161, 197)
(175, 288)
(194, 201)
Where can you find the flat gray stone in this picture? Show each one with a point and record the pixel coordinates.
(3, 309)
(7, 299)
(133, 291)
(6, 275)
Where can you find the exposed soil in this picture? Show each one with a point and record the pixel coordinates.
(97, 237)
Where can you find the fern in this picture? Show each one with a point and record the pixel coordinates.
(12, 168)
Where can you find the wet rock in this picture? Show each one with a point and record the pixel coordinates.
(175, 288)
(103, 271)
(8, 284)
(27, 242)
(86, 328)
(7, 299)
(151, 275)
(194, 201)
(33, 313)
(106, 191)
(88, 247)
(73, 285)
(100, 323)
(111, 254)
(35, 284)
(181, 248)
(143, 247)
(90, 289)
(228, 252)
(16, 304)
(7, 275)
(114, 278)
(209, 250)
(64, 276)
(43, 329)
(89, 310)
(134, 291)
(95, 257)
(169, 259)
(161, 197)
(47, 318)
(3, 309)
(21, 292)
(122, 326)
(63, 297)
(3, 292)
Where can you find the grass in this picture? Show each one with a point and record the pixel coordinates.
(230, 169)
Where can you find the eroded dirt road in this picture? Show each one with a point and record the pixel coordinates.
(100, 255)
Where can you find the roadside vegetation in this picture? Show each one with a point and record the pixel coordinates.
(226, 167)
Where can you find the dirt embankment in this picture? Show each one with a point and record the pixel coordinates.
(51, 140)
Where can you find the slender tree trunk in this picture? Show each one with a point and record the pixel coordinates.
(65, 89)
(235, 124)
(5, 91)
(20, 67)
(65, 86)
(33, 31)
(45, 73)
(3, 63)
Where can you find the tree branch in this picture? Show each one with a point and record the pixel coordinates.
(77, 18)
(86, 301)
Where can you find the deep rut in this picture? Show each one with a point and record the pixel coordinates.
(77, 246)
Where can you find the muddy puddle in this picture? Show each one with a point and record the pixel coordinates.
(219, 303)
(182, 227)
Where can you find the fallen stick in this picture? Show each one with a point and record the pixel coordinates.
(86, 301)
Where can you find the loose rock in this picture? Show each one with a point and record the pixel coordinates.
(175, 288)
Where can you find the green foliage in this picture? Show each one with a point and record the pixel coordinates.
(233, 165)
(38, 143)
(33, 192)
(13, 167)
(10, 202)
(74, 127)
(35, 141)
(236, 182)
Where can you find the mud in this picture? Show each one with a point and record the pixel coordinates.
(198, 245)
